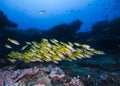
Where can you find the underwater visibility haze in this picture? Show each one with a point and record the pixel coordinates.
(59, 42)
(45, 14)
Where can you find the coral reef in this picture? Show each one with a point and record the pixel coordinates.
(53, 50)
(40, 76)
(98, 71)
(74, 82)
(32, 76)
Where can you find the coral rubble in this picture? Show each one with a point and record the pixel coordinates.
(41, 76)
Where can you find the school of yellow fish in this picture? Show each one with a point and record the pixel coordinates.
(51, 51)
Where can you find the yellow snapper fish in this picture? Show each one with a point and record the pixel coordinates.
(13, 41)
(100, 52)
(76, 44)
(54, 41)
(28, 43)
(8, 46)
(70, 44)
(24, 47)
(86, 46)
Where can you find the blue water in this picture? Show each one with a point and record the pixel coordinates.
(26, 12)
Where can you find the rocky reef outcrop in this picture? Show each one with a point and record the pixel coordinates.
(105, 35)
(5, 22)
(5, 32)
(64, 32)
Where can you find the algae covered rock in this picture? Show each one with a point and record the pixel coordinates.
(52, 51)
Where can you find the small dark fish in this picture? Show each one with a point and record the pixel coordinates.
(28, 43)
(41, 12)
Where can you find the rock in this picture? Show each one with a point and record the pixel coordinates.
(74, 82)
(54, 71)
(63, 32)
(100, 27)
(105, 36)
(5, 22)
(46, 81)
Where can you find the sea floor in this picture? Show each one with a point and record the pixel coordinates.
(63, 74)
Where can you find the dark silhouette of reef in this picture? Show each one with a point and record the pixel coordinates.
(5, 22)
(5, 32)
(64, 32)
(105, 35)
